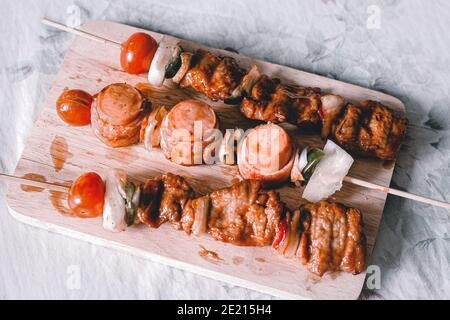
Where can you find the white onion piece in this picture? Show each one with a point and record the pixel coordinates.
(250, 79)
(120, 179)
(136, 197)
(303, 160)
(227, 150)
(162, 57)
(212, 150)
(328, 174)
(296, 173)
(331, 107)
(135, 201)
(152, 136)
(300, 162)
(151, 126)
(200, 215)
(186, 58)
(164, 138)
(114, 208)
(294, 236)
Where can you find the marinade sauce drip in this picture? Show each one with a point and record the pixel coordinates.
(58, 199)
(388, 164)
(209, 255)
(59, 151)
(36, 177)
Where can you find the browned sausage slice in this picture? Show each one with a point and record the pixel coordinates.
(178, 139)
(185, 113)
(119, 104)
(266, 154)
(117, 114)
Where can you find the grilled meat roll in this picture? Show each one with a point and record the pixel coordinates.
(270, 100)
(163, 199)
(244, 214)
(216, 77)
(370, 129)
(332, 238)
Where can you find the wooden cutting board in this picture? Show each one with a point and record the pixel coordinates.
(56, 152)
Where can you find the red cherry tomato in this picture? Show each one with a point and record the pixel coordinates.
(137, 53)
(74, 107)
(86, 196)
(280, 235)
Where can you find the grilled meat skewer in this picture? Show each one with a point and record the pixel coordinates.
(375, 130)
(370, 129)
(325, 236)
(221, 78)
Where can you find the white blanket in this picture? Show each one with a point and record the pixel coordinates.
(396, 46)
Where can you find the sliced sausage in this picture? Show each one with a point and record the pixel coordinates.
(266, 154)
(120, 103)
(117, 114)
(178, 139)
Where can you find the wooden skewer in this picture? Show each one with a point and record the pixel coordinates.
(81, 33)
(351, 180)
(355, 181)
(396, 192)
(34, 183)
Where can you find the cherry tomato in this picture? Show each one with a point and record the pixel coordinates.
(137, 53)
(74, 107)
(86, 196)
(280, 235)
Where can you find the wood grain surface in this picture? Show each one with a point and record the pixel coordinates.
(56, 152)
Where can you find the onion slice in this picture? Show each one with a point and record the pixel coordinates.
(331, 106)
(329, 173)
(300, 162)
(303, 160)
(294, 236)
(135, 201)
(186, 58)
(114, 210)
(250, 79)
(201, 206)
(148, 132)
(151, 127)
(161, 60)
(227, 150)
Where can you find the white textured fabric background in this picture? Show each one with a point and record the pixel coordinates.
(406, 54)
